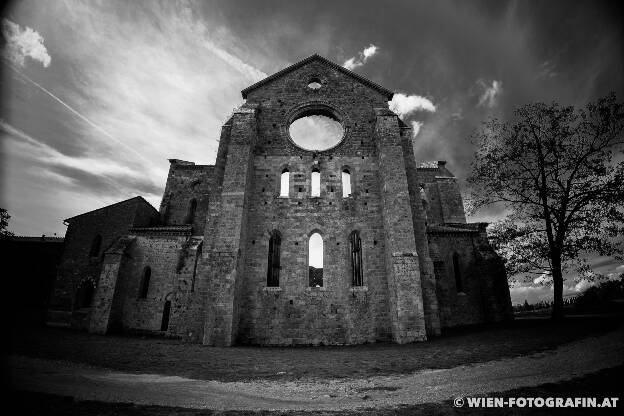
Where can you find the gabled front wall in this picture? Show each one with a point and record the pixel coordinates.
(295, 313)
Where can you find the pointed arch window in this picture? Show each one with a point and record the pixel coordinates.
(164, 323)
(145, 282)
(315, 260)
(190, 215)
(273, 263)
(457, 272)
(316, 182)
(84, 297)
(96, 245)
(285, 183)
(356, 259)
(346, 183)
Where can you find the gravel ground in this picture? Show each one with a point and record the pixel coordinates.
(571, 360)
(171, 357)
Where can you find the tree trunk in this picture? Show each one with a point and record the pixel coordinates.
(557, 275)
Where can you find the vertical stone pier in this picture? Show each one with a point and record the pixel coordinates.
(402, 264)
(225, 258)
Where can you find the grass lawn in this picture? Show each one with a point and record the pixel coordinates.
(172, 357)
(605, 383)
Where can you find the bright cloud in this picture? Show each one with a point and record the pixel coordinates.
(362, 57)
(489, 97)
(403, 104)
(22, 43)
(416, 125)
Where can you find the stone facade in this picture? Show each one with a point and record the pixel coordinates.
(205, 254)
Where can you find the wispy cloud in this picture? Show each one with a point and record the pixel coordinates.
(126, 96)
(489, 96)
(361, 58)
(404, 105)
(37, 151)
(22, 43)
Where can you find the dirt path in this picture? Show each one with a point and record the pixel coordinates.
(87, 383)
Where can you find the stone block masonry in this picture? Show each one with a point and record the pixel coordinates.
(227, 255)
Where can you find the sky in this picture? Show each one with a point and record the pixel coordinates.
(97, 95)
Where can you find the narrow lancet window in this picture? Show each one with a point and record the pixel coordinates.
(315, 260)
(164, 323)
(145, 281)
(85, 294)
(346, 183)
(95, 246)
(285, 183)
(273, 264)
(316, 182)
(457, 271)
(356, 259)
(190, 215)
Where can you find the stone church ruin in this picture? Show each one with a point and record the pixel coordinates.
(226, 259)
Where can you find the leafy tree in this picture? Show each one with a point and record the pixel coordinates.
(559, 173)
(4, 223)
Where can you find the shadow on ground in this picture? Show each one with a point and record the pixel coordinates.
(173, 357)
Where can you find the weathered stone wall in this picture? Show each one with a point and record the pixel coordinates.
(161, 251)
(485, 294)
(77, 266)
(187, 182)
(214, 269)
(419, 220)
(443, 199)
(294, 313)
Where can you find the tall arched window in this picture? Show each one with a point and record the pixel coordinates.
(164, 323)
(190, 215)
(346, 183)
(273, 262)
(457, 271)
(356, 259)
(145, 281)
(315, 260)
(95, 246)
(316, 182)
(285, 183)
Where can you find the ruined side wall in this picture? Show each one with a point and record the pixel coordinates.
(161, 252)
(444, 203)
(185, 182)
(76, 264)
(485, 296)
(457, 308)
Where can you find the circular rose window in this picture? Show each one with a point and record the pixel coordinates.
(316, 130)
